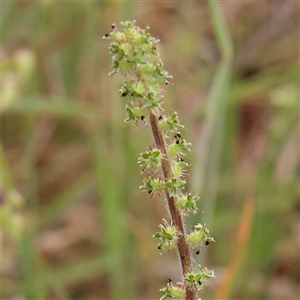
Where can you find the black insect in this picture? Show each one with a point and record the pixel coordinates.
(142, 118)
(198, 252)
(106, 34)
(199, 282)
(177, 135)
(160, 118)
(206, 243)
(169, 280)
(124, 94)
(113, 26)
(149, 192)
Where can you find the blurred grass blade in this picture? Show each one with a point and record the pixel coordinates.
(262, 83)
(58, 206)
(57, 106)
(206, 174)
(60, 277)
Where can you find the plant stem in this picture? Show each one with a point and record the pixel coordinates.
(182, 247)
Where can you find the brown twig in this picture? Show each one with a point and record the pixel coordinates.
(182, 247)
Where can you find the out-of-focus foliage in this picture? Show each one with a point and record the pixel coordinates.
(74, 225)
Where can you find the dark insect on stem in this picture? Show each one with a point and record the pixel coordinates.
(198, 252)
(199, 282)
(149, 192)
(206, 243)
(160, 118)
(177, 135)
(169, 280)
(106, 34)
(113, 26)
(124, 94)
(142, 118)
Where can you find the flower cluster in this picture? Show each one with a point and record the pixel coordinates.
(187, 203)
(173, 291)
(168, 235)
(193, 280)
(134, 56)
(198, 279)
(150, 159)
(199, 236)
(152, 184)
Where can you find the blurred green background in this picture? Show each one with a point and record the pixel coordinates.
(74, 223)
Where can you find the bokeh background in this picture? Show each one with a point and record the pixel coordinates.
(74, 224)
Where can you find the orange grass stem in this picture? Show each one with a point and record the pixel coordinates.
(243, 237)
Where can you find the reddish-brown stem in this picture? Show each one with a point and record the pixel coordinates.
(183, 249)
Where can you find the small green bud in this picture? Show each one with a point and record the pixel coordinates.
(187, 203)
(198, 235)
(170, 123)
(178, 168)
(154, 102)
(152, 184)
(198, 279)
(194, 280)
(173, 292)
(150, 159)
(139, 89)
(135, 113)
(118, 36)
(124, 67)
(178, 148)
(174, 186)
(168, 235)
(127, 88)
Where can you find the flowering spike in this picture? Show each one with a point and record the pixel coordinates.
(134, 56)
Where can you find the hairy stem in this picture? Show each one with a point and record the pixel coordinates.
(182, 247)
